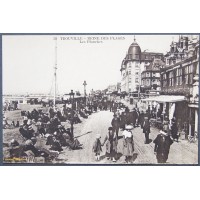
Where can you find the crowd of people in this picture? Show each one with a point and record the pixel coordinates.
(9, 106)
(127, 121)
(48, 125)
(37, 124)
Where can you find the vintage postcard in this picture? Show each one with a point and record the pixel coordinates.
(100, 99)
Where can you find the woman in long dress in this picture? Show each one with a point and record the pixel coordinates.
(128, 144)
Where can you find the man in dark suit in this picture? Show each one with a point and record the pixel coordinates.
(141, 119)
(134, 117)
(115, 124)
(146, 130)
(162, 146)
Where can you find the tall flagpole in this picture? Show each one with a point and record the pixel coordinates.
(55, 68)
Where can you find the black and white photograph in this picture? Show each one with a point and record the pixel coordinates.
(100, 99)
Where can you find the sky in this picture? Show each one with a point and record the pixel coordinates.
(29, 60)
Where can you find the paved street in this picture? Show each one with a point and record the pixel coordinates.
(180, 153)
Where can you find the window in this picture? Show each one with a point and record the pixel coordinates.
(186, 79)
(164, 80)
(189, 74)
(148, 82)
(147, 74)
(190, 69)
(129, 72)
(136, 73)
(179, 76)
(191, 78)
(137, 80)
(143, 82)
(171, 78)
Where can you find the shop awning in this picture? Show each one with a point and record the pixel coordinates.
(166, 98)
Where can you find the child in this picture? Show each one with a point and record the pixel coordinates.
(97, 147)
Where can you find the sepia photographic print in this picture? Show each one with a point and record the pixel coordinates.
(100, 99)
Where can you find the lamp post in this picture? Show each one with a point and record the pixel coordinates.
(84, 84)
(71, 94)
(72, 115)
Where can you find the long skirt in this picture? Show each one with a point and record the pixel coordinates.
(128, 147)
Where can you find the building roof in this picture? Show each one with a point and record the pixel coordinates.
(166, 98)
(134, 51)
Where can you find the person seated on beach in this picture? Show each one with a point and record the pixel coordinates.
(12, 125)
(55, 145)
(25, 120)
(40, 128)
(30, 130)
(5, 123)
(59, 136)
(28, 114)
(76, 118)
(14, 143)
(87, 111)
(56, 121)
(83, 114)
(45, 118)
(24, 131)
(35, 114)
(17, 124)
(29, 146)
(72, 142)
(15, 149)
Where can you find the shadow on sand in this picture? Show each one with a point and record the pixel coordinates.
(83, 134)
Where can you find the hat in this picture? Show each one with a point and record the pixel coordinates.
(98, 136)
(127, 133)
(28, 142)
(146, 118)
(12, 141)
(39, 119)
(110, 128)
(162, 132)
(166, 119)
(129, 127)
(30, 127)
(165, 123)
(34, 139)
(55, 133)
(29, 122)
